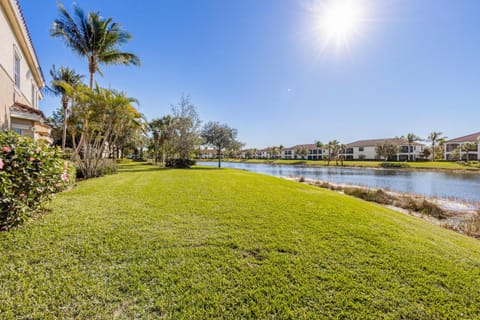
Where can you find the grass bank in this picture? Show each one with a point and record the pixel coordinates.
(204, 243)
(427, 165)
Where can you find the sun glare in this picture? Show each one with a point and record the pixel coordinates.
(340, 21)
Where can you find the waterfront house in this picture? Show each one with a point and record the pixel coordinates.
(366, 149)
(457, 146)
(313, 152)
(206, 154)
(21, 78)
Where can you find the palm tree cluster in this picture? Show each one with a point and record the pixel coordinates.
(101, 122)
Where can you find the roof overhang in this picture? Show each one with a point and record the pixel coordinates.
(21, 111)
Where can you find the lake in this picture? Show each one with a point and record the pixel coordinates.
(464, 186)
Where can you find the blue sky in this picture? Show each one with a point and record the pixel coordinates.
(259, 66)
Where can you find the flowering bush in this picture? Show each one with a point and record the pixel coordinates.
(30, 173)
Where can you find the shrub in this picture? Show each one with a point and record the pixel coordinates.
(393, 165)
(103, 167)
(472, 226)
(30, 173)
(179, 163)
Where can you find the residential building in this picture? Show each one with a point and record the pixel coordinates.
(207, 154)
(366, 149)
(457, 146)
(313, 152)
(21, 78)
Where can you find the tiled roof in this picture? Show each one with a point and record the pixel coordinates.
(374, 142)
(302, 146)
(24, 108)
(469, 138)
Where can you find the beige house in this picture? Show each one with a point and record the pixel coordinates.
(458, 144)
(366, 149)
(21, 78)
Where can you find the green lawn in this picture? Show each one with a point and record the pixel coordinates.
(437, 165)
(207, 243)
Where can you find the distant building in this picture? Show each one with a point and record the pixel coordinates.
(313, 152)
(366, 149)
(457, 145)
(21, 78)
(206, 154)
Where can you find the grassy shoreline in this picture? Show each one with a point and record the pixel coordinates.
(431, 166)
(221, 243)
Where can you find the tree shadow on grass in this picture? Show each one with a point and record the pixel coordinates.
(149, 168)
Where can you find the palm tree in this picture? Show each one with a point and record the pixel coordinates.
(343, 148)
(319, 145)
(274, 152)
(166, 127)
(434, 137)
(333, 149)
(93, 37)
(411, 138)
(63, 75)
(155, 127)
(280, 149)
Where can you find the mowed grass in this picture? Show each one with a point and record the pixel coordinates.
(428, 165)
(218, 243)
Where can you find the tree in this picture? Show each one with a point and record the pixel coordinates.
(220, 137)
(280, 150)
(67, 76)
(434, 137)
(155, 128)
(274, 152)
(333, 151)
(467, 147)
(386, 150)
(342, 148)
(302, 152)
(96, 38)
(411, 138)
(456, 154)
(185, 129)
(112, 117)
(319, 145)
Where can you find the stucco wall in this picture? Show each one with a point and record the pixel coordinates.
(9, 93)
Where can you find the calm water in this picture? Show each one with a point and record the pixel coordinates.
(464, 186)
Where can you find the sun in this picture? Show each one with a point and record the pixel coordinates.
(341, 21)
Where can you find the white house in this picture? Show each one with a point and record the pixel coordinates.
(21, 78)
(458, 144)
(366, 149)
(313, 152)
(207, 154)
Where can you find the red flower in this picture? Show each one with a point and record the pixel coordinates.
(1, 164)
(32, 159)
(22, 195)
(6, 149)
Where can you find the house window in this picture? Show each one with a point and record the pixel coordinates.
(17, 71)
(360, 148)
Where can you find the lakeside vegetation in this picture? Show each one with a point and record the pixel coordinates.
(437, 165)
(205, 242)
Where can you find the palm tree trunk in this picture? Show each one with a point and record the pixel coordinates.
(64, 129)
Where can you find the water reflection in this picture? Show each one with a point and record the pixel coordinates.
(464, 186)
